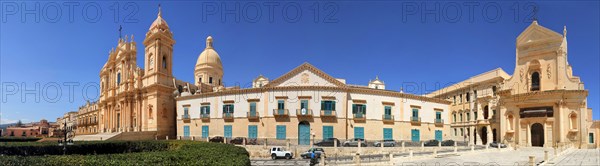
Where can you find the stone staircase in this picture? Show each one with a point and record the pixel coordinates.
(96, 137)
(122, 136)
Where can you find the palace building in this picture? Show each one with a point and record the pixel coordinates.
(541, 104)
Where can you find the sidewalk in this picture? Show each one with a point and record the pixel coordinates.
(579, 157)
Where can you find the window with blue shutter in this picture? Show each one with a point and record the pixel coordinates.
(327, 132)
(388, 110)
(227, 131)
(280, 104)
(359, 132)
(438, 135)
(186, 131)
(205, 110)
(415, 112)
(359, 109)
(438, 115)
(252, 131)
(281, 132)
(415, 135)
(253, 109)
(303, 104)
(204, 131)
(388, 134)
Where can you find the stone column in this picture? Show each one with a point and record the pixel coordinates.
(528, 134)
(489, 134)
(471, 135)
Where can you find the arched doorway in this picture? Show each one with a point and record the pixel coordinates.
(537, 134)
(304, 133)
(484, 134)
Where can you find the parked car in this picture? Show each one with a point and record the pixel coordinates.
(329, 142)
(317, 151)
(238, 140)
(279, 152)
(432, 142)
(496, 144)
(448, 143)
(217, 139)
(386, 143)
(354, 142)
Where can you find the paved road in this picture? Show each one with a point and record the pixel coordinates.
(279, 162)
(348, 159)
(579, 157)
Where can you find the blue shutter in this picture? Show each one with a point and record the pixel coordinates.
(281, 132)
(323, 105)
(327, 132)
(186, 131)
(227, 131)
(354, 108)
(252, 131)
(415, 135)
(204, 131)
(333, 105)
(388, 134)
(364, 109)
(438, 135)
(359, 132)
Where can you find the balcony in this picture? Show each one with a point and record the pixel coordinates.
(415, 120)
(228, 116)
(387, 118)
(360, 117)
(205, 117)
(328, 113)
(252, 115)
(185, 117)
(439, 122)
(304, 113)
(281, 112)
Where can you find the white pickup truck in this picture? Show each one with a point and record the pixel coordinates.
(279, 152)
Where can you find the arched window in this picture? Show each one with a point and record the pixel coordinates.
(454, 117)
(164, 62)
(486, 112)
(535, 81)
(118, 78)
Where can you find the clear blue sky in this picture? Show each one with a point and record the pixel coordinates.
(354, 40)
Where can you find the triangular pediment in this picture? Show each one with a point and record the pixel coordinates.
(306, 75)
(536, 32)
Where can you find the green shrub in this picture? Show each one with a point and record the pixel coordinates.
(19, 139)
(136, 153)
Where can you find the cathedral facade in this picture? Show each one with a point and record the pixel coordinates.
(140, 100)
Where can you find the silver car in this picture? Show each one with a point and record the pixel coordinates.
(386, 143)
(354, 142)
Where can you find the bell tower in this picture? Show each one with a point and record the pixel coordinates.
(159, 49)
(158, 112)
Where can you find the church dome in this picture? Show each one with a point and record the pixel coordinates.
(209, 58)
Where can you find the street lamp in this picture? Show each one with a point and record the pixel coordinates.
(67, 135)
